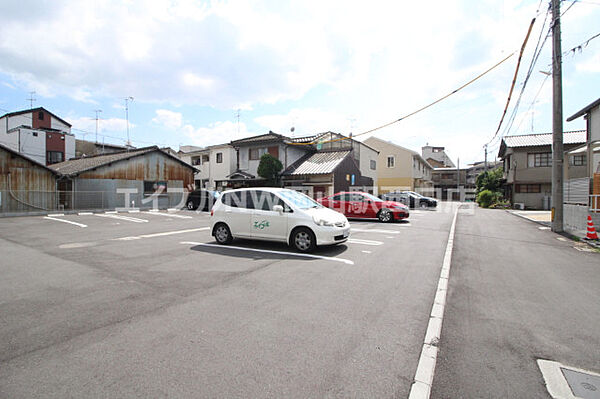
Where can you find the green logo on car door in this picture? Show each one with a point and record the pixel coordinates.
(261, 225)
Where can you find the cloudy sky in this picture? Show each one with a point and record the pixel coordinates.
(347, 66)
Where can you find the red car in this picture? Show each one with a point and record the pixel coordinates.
(364, 205)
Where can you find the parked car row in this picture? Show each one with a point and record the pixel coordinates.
(410, 199)
(278, 214)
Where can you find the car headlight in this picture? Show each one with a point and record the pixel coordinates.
(322, 222)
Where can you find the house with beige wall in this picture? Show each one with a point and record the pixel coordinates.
(214, 164)
(399, 168)
(527, 163)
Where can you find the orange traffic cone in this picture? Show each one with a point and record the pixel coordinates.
(591, 231)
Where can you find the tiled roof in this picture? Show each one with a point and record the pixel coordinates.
(319, 163)
(533, 140)
(584, 111)
(80, 165)
(260, 139)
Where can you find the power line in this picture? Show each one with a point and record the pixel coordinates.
(414, 112)
(512, 86)
(581, 46)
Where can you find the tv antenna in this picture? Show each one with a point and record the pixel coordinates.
(97, 111)
(31, 99)
(127, 100)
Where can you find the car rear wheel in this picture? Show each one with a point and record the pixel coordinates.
(190, 205)
(385, 216)
(223, 234)
(424, 205)
(304, 240)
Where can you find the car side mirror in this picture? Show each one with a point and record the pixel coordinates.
(278, 208)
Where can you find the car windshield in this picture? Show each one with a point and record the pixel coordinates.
(415, 194)
(299, 200)
(371, 197)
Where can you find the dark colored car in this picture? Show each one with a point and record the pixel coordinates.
(201, 199)
(411, 199)
(364, 205)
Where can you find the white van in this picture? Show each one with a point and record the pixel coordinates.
(277, 214)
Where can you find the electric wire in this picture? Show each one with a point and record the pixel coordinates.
(412, 113)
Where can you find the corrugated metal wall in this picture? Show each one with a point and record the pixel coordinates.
(33, 187)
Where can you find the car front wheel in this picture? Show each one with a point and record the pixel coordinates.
(304, 240)
(424, 205)
(385, 216)
(190, 205)
(223, 234)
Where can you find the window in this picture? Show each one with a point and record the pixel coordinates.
(54, 157)
(196, 161)
(151, 187)
(35, 134)
(373, 165)
(539, 160)
(578, 160)
(390, 161)
(41, 115)
(527, 188)
(256, 153)
(238, 199)
(205, 158)
(219, 157)
(265, 201)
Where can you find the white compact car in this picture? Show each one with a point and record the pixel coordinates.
(277, 214)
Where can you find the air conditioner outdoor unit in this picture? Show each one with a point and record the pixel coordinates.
(520, 206)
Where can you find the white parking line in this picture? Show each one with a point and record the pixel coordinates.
(365, 242)
(65, 221)
(53, 215)
(334, 259)
(421, 387)
(85, 213)
(128, 218)
(168, 233)
(170, 215)
(375, 231)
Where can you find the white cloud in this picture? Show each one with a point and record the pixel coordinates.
(168, 119)
(113, 128)
(215, 133)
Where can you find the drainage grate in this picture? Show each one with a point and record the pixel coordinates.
(583, 385)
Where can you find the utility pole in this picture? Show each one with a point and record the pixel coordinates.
(458, 178)
(557, 123)
(127, 99)
(97, 111)
(486, 167)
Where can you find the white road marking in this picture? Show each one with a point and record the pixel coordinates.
(111, 212)
(53, 215)
(85, 213)
(334, 259)
(169, 215)
(561, 239)
(168, 233)
(366, 252)
(65, 221)
(77, 245)
(421, 387)
(375, 231)
(128, 218)
(544, 228)
(389, 237)
(134, 211)
(365, 242)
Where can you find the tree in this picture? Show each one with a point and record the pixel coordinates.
(490, 180)
(269, 168)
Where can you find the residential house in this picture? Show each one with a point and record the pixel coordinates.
(38, 134)
(214, 164)
(142, 178)
(332, 162)
(582, 173)
(86, 148)
(437, 157)
(26, 185)
(450, 183)
(527, 163)
(400, 168)
(477, 168)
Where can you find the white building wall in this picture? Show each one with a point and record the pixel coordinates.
(20, 120)
(595, 124)
(26, 142)
(58, 125)
(366, 156)
(69, 147)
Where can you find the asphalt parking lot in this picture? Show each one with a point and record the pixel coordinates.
(146, 304)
